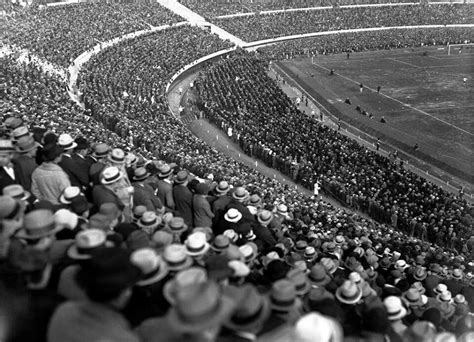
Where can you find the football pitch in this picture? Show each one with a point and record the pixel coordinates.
(423, 98)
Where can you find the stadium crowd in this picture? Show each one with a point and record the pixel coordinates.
(259, 27)
(117, 224)
(363, 41)
(60, 34)
(239, 94)
(215, 8)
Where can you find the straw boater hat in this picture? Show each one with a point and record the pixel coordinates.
(249, 251)
(265, 217)
(252, 310)
(177, 225)
(283, 297)
(140, 174)
(240, 194)
(233, 215)
(199, 307)
(349, 293)
(181, 177)
(6, 146)
(222, 188)
(412, 297)
(150, 263)
(66, 142)
(69, 193)
(26, 144)
(394, 307)
(164, 171)
(101, 150)
(299, 279)
(318, 276)
(188, 277)
(38, 224)
(117, 156)
(196, 244)
(20, 132)
(16, 191)
(231, 234)
(86, 243)
(220, 243)
(176, 257)
(110, 175)
(149, 221)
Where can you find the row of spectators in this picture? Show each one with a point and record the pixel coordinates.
(133, 240)
(112, 246)
(259, 27)
(363, 41)
(215, 8)
(238, 93)
(125, 85)
(59, 34)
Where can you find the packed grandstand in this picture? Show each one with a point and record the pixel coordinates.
(119, 224)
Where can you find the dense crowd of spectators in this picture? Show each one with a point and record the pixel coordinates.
(363, 41)
(124, 86)
(117, 224)
(215, 8)
(60, 34)
(239, 94)
(259, 27)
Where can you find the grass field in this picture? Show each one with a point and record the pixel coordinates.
(423, 99)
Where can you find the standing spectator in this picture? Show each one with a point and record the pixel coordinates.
(49, 180)
(107, 279)
(77, 176)
(143, 193)
(202, 213)
(183, 197)
(7, 172)
(25, 162)
(165, 186)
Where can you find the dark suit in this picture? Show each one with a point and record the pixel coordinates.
(24, 167)
(94, 172)
(165, 194)
(144, 195)
(5, 179)
(183, 199)
(101, 194)
(78, 175)
(246, 214)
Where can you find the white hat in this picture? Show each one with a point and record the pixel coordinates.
(110, 175)
(66, 219)
(316, 327)
(196, 244)
(86, 242)
(395, 308)
(233, 215)
(66, 141)
(151, 265)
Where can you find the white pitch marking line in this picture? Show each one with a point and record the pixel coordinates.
(412, 65)
(402, 103)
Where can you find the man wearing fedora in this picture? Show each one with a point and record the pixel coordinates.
(25, 160)
(183, 197)
(7, 172)
(143, 193)
(165, 186)
(76, 169)
(107, 279)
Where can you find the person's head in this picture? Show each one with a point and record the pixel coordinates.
(108, 276)
(6, 152)
(52, 153)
